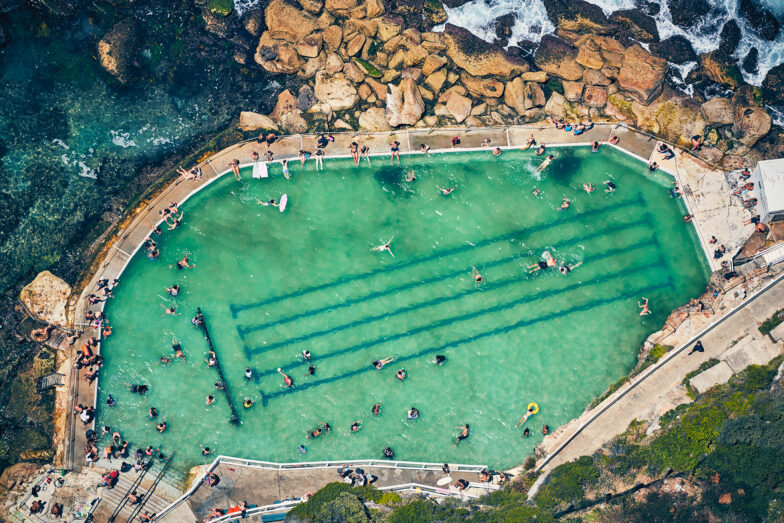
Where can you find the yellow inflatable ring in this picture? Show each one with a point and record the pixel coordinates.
(533, 408)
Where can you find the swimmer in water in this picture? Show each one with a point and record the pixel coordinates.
(248, 373)
(356, 426)
(161, 426)
(446, 192)
(247, 403)
(565, 269)
(209, 400)
(410, 176)
(153, 413)
(401, 374)
(379, 364)
(306, 355)
(413, 413)
(644, 306)
(311, 370)
(286, 378)
(536, 192)
(235, 168)
(589, 187)
(177, 348)
(271, 202)
(376, 409)
(540, 150)
(165, 360)
(385, 247)
(478, 279)
(463, 433)
(547, 261)
(440, 359)
(527, 415)
(595, 147)
(364, 152)
(170, 310)
(497, 151)
(315, 434)
(174, 290)
(546, 162)
(211, 359)
(610, 186)
(565, 204)
(184, 263)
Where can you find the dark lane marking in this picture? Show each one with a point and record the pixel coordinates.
(265, 398)
(235, 309)
(242, 331)
(471, 315)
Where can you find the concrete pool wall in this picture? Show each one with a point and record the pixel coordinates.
(688, 171)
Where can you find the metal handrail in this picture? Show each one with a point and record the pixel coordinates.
(406, 465)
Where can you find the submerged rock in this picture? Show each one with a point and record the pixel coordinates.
(639, 25)
(730, 37)
(686, 13)
(773, 85)
(578, 16)
(751, 62)
(760, 19)
(720, 68)
(503, 28)
(676, 49)
(118, 49)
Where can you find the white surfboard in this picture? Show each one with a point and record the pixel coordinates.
(283, 201)
(444, 481)
(260, 170)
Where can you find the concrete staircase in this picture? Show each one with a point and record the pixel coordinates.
(152, 502)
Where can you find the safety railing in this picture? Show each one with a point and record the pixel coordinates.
(405, 465)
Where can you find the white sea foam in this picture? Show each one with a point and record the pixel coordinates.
(122, 139)
(532, 23)
(61, 143)
(244, 6)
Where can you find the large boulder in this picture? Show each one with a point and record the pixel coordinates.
(285, 104)
(374, 119)
(287, 22)
(118, 49)
(751, 61)
(482, 87)
(459, 107)
(305, 98)
(676, 49)
(729, 37)
(340, 7)
(760, 19)
(335, 90)
(595, 96)
(720, 68)
(752, 122)
(718, 111)
(773, 85)
(557, 57)
(47, 298)
(577, 16)
(642, 74)
(250, 121)
(277, 56)
(674, 116)
(479, 58)
(557, 106)
(514, 95)
(637, 24)
(687, 13)
(404, 103)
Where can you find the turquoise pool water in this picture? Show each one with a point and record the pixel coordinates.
(273, 284)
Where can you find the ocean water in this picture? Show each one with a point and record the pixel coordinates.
(532, 23)
(273, 284)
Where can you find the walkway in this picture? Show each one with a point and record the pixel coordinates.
(132, 233)
(735, 341)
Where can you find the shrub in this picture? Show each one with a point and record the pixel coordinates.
(772, 322)
(555, 85)
(568, 483)
(389, 498)
(346, 507)
(611, 389)
(414, 512)
(530, 462)
(754, 378)
(221, 7)
(312, 507)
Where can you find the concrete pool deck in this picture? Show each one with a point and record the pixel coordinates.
(706, 193)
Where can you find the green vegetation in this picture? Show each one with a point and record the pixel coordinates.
(555, 85)
(370, 69)
(221, 7)
(772, 322)
(614, 387)
(724, 450)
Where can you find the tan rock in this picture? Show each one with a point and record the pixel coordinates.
(534, 96)
(436, 80)
(536, 114)
(432, 64)
(368, 28)
(720, 68)
(277, 56)
(335, 90)
(325, 20)
(557, 106)
(642, 74)
(381, 59)
(389, 27)
(353, 73)
(412, 35)
(354, 46)
(398, 59)
(433, 48)
(673, 116)
(594, 77)
(313, 6)
(718, 111)
(415, 56)
(117, 50)
(374, 8)
(479, 109)
(482, 87)
(333, 37)
(364, 91)
(334, 63)
(610, 72)
(374, 119)
(590, 56)
(426, 94)
(404, 103)
(535, 76)
(441, 110)
(310, 46)
(286, 103)
(311, 67)
(436, 38)
(412, 72)
(459, 107)
(514, 95)
(612, 89)
(340, 7)
(430, 121)
(47, 298)
(557, 57)
(477, 57)
(394, 44)
(254, 121)
(452, 77)
(455, 89)
(752, 122)
(287, 22)
(613, 59)
(294, 123)
(595, 96)
(573, 91)
(379, 89)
